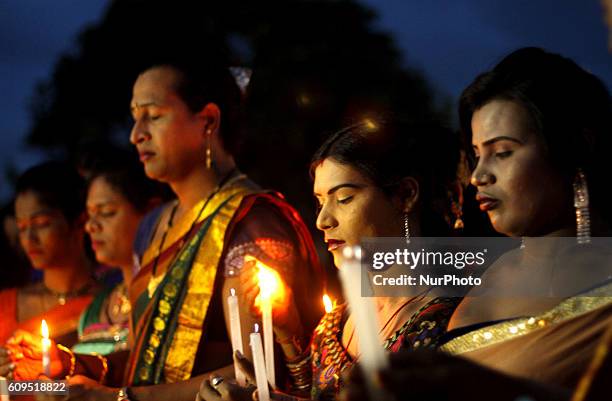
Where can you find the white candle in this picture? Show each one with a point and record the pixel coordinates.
(260, 367)
(372, 356)
(236, 332)
(46, 344)
(267, 283)
(3, 389)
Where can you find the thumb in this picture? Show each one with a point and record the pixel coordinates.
(245, 366)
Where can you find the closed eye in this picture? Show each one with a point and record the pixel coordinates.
(346, 200)
(503, 155)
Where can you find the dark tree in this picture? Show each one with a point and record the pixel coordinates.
(318, 65)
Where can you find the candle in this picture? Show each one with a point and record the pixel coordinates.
(372, 357)
(260, 367)
(46, 344)
(267, 285)
(236, 332)
(4, 395)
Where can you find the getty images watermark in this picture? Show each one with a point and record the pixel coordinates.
(477, 266)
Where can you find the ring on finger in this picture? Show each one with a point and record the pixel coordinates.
(215, 381)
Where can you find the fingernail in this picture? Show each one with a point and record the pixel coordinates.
(239, 355)
(11, 366)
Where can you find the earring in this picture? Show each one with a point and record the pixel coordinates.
(581, 203)
(407, 228)
(208, 149)
(457, 208)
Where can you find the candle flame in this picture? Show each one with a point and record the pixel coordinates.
(256, 328)
(268, 282)
(232, 292)
(328, 303)
(44, 329)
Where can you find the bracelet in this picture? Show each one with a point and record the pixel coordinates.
(104, 367)
(300, 371)
(124, 394)
(72, 368)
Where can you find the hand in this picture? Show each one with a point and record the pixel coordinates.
(219, 389)
(283, 306)
(6, 363)
(82, 388)
(428, 375)
(25, 351)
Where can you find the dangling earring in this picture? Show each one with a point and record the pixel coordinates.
(208, 149)
(457, 208)
(581, 203)
(407, 228)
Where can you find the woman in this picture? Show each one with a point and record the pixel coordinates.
(186, 133)
(375, 179)
(49, 208)
(118, 197)
(536, 119)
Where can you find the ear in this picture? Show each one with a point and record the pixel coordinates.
(211, 114)
(408, 193)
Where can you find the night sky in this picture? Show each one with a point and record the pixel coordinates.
(449, 41)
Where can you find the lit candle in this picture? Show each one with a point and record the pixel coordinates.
(260, 366)
(327, 303)
(267, 285)
(236, 332)
(372, 357)
(46, 344)
(4, 395)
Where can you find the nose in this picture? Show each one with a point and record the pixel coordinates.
(92, 225)
(325, 219)
(28, 235)
(139, 132)
(481, 176)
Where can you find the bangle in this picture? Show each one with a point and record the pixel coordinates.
(72, 368)
(124, 394)
(104, 367)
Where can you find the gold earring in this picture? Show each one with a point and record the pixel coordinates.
(208, 149)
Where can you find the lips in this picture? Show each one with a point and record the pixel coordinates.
(333, 244)
(96, 244)
(34, 252)
(145, 155)
(486, 202)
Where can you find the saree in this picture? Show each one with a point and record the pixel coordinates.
(168, 327)
(330, 357)
(61, 319)
(554, 347)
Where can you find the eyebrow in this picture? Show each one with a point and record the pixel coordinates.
(142, 105)
(37, 214)
(500, 138)
(340, 186)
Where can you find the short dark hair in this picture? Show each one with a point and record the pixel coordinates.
(58, 186)
(200, 83)
(569, 107)
(386, 151)
(126, 175)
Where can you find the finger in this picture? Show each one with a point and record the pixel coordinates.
(7, 369)
(223, 387)
(207, 392)
(245, 366)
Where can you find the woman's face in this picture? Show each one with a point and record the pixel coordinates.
(521, 192)
(112, 224)
(351, 207)
(45, 235)
(168, 136)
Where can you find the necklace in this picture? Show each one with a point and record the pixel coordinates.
(155, 281)
(63, 297)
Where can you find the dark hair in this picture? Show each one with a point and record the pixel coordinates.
(388, 151)
(126, 175)
(200, 83)
(58, 186)
(569, 107)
